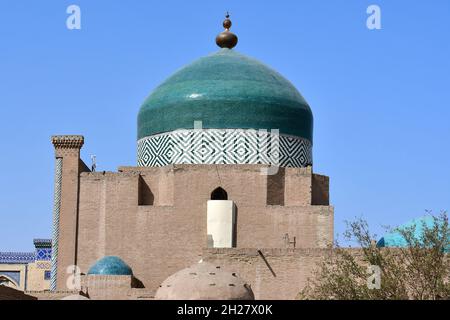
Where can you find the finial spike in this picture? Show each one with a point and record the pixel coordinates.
(227, 39)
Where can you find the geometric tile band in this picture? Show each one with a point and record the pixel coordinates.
(224, 146)
(17, 257)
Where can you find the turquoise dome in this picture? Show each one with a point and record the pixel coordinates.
(395, 239)
(110, 265)
(226, 90)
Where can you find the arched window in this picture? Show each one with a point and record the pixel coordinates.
(7, 282)
(219, 194)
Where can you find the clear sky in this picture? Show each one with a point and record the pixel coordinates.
(380, 98)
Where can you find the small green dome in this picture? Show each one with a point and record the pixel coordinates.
(110, 265)
(226, 90)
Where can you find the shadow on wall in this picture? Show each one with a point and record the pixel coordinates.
(275, 188)
(234, 240)
(145, 197)
(136, 283)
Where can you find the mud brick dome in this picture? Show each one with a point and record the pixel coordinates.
(204, 281)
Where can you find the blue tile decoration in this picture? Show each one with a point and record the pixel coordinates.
(44, 264)
(17, 257)
(43, 254)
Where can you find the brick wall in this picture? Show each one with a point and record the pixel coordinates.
(155, 218)
(320, 190)
(274, 274)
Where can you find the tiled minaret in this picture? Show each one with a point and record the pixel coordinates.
(65, 209)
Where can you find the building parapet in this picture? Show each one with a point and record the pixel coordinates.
(42, 243)
(68, 141)
(17, 257)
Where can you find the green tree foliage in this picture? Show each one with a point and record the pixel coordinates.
(418, 271)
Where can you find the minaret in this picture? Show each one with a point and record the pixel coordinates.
(65, 208)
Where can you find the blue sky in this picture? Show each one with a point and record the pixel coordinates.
(380, 98)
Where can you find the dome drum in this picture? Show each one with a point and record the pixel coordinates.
(224, 146)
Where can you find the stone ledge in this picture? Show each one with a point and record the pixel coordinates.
(68, 141)
(274, 252)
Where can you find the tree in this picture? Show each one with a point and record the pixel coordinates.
(420, 270)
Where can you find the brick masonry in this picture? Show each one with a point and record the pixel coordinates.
(155, 218)
(274, 274)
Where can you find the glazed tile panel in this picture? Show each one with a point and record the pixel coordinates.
(224, 146)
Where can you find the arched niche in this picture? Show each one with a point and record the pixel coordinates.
(219, 194)
(7, 282)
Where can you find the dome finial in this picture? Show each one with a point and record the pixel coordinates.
(227, 39)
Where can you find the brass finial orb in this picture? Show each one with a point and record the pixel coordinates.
(227, 22)
(227, 39)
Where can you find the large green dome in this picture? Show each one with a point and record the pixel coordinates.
(226, 90)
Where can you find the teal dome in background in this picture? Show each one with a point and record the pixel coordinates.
(226, 90)
(395, 239)
(110, 265)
